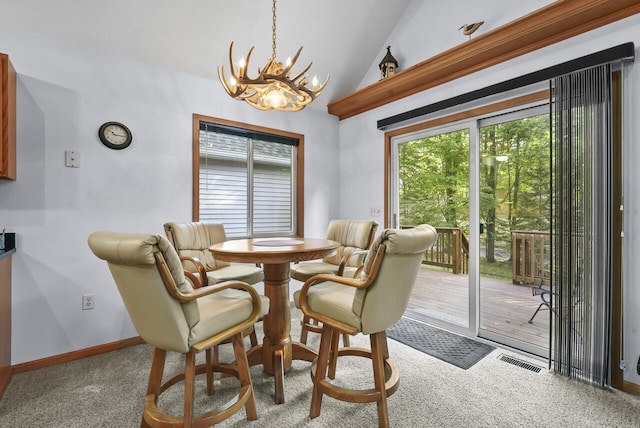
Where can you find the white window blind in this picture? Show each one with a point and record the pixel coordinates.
(247, 181)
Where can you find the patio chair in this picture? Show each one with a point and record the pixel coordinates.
(539, 289)
(545, 297)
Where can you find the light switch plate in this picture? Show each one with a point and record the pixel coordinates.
(72, 159)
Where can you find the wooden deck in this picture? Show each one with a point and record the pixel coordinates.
(505, 308)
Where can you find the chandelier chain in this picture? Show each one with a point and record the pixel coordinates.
(273, 55)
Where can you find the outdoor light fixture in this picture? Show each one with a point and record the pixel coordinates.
(275, 88)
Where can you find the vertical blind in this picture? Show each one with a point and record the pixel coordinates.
(582, 230)
(246, 181)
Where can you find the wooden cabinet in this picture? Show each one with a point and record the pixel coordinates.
(7, 119)
(5, 319)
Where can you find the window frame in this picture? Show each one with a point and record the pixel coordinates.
(299, 164)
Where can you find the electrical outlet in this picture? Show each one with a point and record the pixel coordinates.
(88, 302)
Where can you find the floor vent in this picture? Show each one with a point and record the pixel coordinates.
(519, 363)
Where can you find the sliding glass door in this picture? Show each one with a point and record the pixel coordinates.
(431, 183)
(515, 242)
(485, 185)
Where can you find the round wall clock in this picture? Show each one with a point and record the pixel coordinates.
(115, 135)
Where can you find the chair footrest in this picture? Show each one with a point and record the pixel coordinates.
(392, 380)
(155, 417)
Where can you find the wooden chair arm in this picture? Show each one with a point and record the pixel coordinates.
(362, 254)
(194, 279)
(204, 281)
(350, 282)
(358, 271)
(173, 290)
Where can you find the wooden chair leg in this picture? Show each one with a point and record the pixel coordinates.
(253, 338)
(333, 355)
(153, 417)
(321, 369)
(383, 342)
(216, 354)
(189, 387)
(209, 369)
(345, 340)
(304, 332)
(244, 376)
(144, 424)
(378, 350)
(155, 378)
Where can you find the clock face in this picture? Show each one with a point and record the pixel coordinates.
(115, 135)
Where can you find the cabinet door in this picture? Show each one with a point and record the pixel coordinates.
(7, 119)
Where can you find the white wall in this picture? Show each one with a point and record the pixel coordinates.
(361, 144)
(64, 94)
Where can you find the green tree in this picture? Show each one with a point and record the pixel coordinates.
(514, 180)
(517, 154)
(434, 180)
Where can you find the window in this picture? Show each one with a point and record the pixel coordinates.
(248, 178)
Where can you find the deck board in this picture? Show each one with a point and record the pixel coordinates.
(505, 308)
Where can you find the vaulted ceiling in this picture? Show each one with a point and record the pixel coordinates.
(342, 38)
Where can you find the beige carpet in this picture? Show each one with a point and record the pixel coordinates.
(108, 390)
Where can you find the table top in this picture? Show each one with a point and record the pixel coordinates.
(273, 250)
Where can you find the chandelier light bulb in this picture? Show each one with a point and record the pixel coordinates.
(275, 99)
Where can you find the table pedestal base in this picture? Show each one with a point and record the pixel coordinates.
(277, 361)
(277, 350)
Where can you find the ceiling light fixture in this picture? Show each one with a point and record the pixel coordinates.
(275, 88)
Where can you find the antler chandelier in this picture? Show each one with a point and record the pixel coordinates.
(275, 88)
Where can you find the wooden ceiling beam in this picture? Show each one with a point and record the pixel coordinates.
(551, 24)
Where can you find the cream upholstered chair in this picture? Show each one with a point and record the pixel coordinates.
(192, 241)
(171, 316)
(369, 305)
(355, 237)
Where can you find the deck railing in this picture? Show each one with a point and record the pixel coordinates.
(530, 254)
(450, 251)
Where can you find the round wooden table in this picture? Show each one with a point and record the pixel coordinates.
(276, 254)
